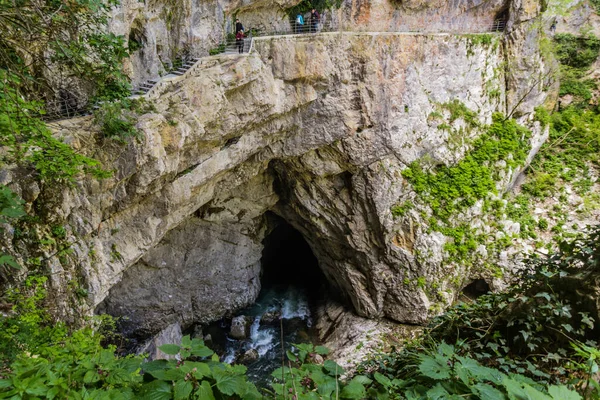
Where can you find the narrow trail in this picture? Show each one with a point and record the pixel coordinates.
(69, 108)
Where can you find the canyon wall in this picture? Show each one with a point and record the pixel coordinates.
(162, 31)
(316, 129)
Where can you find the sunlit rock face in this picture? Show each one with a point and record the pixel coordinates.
(162, 31)
(316, 129)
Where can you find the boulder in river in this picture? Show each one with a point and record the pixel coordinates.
(271, 316)
(248, 357)
(240, 327)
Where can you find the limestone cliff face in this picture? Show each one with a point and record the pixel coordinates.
(165, 30)
(316, 129)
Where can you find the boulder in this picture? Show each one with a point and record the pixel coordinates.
(271, 316)
(240, 327)
(170, 335)
(248, 357)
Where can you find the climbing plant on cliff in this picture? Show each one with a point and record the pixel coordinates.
(48, 50)
(449, 190)
(48, 45)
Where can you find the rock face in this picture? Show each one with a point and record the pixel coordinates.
(163, 31)
(315, 128)
(240, 327)
(169, 335)
(189, 278)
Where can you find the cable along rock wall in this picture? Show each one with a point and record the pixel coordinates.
(316, 129)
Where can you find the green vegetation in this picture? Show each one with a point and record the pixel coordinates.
(116, 121)
(11, 209)
(576, 54)
(67, 38)
(574, 143)
(217, 50)
(530, 342)
(449, 190)
(576, 51)
(305, 6)
(542, 328)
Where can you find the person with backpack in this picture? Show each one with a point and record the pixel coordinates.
(299, 25)
(314, 20)
(239, 41)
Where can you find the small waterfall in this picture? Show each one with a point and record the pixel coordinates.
(276, 308)
(261, 340)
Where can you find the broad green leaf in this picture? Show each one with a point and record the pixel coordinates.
(200, 350)
(333, 368)
(534, 394)
(228, 383)
(182, 390)
(487, 392)
(171, 349)
(91, 376)
(322, 350)
(198, 369)
(252, 393)
(435, 367)
(563, 393)
(382, 379)
(291, 356)
(205, 391)
(353, 390)
(186, 341)
(363, 380)
(156, 390)
(437, 393)
(155, 365)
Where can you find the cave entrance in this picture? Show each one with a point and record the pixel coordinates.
(292, 287)
(476, 288)
(288, 261)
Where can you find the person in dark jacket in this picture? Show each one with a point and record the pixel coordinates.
(314, 20)
(238, 26)
(239, 41)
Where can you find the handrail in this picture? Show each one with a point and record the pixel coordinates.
(65, 109)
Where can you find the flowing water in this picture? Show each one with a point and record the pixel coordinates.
(288, 302)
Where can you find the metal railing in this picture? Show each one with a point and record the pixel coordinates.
(65, 108)
(71, 107)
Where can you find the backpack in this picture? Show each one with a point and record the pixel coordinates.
(300, 19)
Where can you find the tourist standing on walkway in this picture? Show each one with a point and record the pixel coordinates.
(238, 26)
(314, 20)
(239, 41)
(299, 23)
(553, 26)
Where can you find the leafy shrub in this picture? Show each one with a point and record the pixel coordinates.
(441, 373)
(217, 50)
(573, 145)
(529, 328)
(28, 140)
(576, 51)
(115, 122)
(11, 209)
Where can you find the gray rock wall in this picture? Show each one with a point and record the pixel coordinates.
(317, 129)
(167, 29)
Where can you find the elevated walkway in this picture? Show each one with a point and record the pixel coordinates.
(68, 108)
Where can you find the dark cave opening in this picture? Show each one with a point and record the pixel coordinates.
(476, 288)
(292, 288)
(288, 260)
